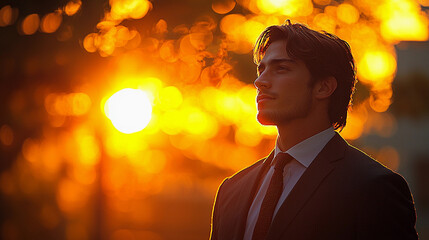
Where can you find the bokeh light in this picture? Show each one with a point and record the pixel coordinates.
(30, 24)
(7, 16)
(6, 135)
(50, 22)
(72, 7)
(223, 6)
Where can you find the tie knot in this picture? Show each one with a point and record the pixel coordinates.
(281, 160)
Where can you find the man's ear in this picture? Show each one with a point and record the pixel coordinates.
(324, 87)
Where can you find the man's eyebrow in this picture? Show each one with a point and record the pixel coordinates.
(281, 60)
(277, 61)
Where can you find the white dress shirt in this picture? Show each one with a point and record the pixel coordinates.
(304, 153)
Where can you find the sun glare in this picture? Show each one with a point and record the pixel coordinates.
(129, 110)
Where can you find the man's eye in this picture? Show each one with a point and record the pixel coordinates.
(283, 68)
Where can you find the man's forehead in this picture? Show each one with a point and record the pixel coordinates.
(276, 51)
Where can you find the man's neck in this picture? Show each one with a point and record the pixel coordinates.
(294, 132)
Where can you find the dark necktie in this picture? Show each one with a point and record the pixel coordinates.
(274, 192)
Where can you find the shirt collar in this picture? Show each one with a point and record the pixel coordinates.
(306, 151)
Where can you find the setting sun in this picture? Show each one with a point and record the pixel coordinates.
(129, 110)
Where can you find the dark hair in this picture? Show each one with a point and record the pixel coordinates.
(324, 54)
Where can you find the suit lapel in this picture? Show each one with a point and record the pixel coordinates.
(322, 165)
(248, 185)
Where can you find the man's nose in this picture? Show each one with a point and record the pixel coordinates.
(262, 81)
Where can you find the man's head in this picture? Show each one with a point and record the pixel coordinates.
(324, 55)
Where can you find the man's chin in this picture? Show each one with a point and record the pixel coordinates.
(264, 119)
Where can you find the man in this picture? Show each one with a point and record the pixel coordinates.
(313, 185)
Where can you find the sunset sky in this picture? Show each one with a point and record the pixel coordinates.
(120, 118)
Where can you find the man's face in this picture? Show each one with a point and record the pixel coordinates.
(284, 89)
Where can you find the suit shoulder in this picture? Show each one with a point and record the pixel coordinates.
(362, 163)
(241, 173)
(372, 180)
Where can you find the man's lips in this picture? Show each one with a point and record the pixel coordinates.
(263, 97)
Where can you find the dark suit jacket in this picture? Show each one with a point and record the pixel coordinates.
(344, 194)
